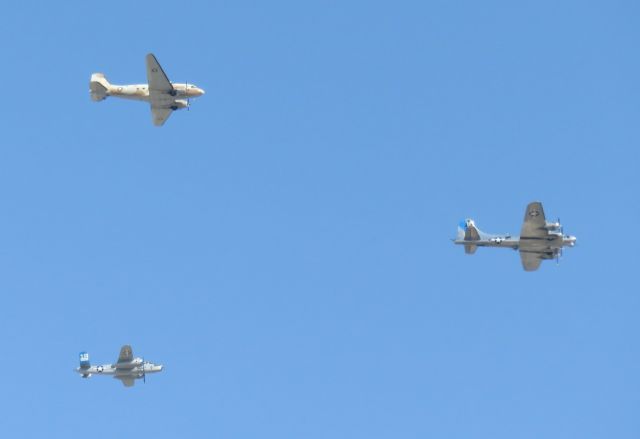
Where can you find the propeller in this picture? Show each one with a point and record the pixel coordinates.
(186, 92)
(144, 374)
(561, 228)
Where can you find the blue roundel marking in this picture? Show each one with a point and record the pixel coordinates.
(463, 225)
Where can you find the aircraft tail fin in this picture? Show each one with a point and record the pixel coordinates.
(99, 87)
(461, 230)
(84, 360)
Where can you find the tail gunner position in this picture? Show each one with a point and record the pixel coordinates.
(163, 95)
(127, 369)
(538, 238)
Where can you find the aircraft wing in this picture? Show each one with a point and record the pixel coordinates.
(160, 91)
(127, 381)
(126, 354)
(534, 222)
(159, 115)
(157, 78)
(530, 260)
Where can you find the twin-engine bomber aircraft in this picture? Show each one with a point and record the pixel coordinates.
(163, 95)
(538, 238)
(127, 369)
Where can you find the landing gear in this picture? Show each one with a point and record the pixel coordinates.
(172, 92)
(174, 107)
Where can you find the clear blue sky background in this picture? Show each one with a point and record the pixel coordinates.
(283, 248)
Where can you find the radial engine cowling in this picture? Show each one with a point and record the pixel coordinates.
(179, 103)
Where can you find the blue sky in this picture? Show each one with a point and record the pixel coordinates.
(283, 248)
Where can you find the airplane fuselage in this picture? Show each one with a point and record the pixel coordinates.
(515, 242)
(140, 92)
(136, 368)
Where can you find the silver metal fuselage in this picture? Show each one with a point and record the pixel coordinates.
(515, 242)
(136, 368)
(140, 92)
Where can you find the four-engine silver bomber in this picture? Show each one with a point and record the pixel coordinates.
(538, 238)
(127, 369)
(163, 95)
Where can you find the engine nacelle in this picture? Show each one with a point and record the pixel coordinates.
(553, 226)
(86, 375)
(179, 104)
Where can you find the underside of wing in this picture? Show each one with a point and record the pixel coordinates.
(160, 115)
(127, 381)
(530, 260)
(534, 225)
(157, 78)
(126, 354)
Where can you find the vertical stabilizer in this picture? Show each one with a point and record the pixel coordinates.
(84, 360)
(99, 87)
(462, 227)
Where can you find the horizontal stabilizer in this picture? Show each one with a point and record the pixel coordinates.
(468, 231)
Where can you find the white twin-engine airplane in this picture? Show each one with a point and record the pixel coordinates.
(163, 95)
(127, 369)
